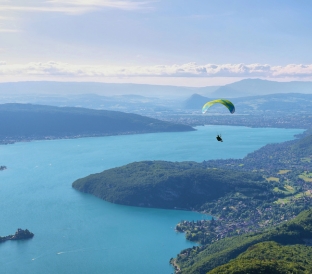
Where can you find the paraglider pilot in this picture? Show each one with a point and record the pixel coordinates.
(219, 138)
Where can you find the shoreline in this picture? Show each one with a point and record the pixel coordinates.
(20, 234)
(10, 141)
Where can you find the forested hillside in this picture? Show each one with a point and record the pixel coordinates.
(270, 257)
(28, 122)
(161, 184)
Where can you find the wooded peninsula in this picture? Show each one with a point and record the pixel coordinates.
(27, 122)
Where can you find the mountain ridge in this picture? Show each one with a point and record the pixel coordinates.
(33, 122)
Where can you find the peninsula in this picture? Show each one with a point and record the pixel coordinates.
(171, 185)
(27, 122)
(20, 234)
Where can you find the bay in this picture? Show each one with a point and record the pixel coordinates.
(78, 233)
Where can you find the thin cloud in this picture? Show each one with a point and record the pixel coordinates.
(4, 18)
(78, 6)
(70, 10)
(9, 30)
(184, 70)
(126, 5)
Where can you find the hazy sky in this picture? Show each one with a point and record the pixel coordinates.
(180, 42)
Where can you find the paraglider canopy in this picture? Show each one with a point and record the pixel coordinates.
(224, 102)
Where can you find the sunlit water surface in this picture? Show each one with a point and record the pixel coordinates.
(78, 233)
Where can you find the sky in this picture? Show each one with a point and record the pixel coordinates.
(165, 42)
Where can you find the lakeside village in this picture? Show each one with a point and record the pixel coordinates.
(286, 169)
(12, 140)
(250, 220)
(284, 120)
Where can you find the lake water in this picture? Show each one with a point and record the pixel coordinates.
(78, 233)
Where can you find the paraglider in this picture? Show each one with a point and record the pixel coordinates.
(219, 138)
(224, 102)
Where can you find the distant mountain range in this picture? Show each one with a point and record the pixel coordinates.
(134, 98)
(253, 87)
(279, 102)
(30, 122)
(44, 88)
(249, 94)
(247, 87)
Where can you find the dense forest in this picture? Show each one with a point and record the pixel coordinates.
(270, 257)
(162, 184)
(22, 122)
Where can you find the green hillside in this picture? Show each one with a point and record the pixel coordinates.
(203, 259)
(303, 147)
(162, 184)
(270, 257)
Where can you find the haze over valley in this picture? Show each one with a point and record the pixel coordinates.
(155, 137)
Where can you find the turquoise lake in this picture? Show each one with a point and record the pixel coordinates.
(78, 233)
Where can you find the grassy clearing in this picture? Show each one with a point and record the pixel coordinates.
(294, 197)
(289, 188)
(272, 179)
(233, 208)
(306, 176)
(286, 189)
(284, 171)
(306, 159)
(281, 190)
(283, 201)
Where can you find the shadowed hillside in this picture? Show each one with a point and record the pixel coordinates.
(29, 122)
